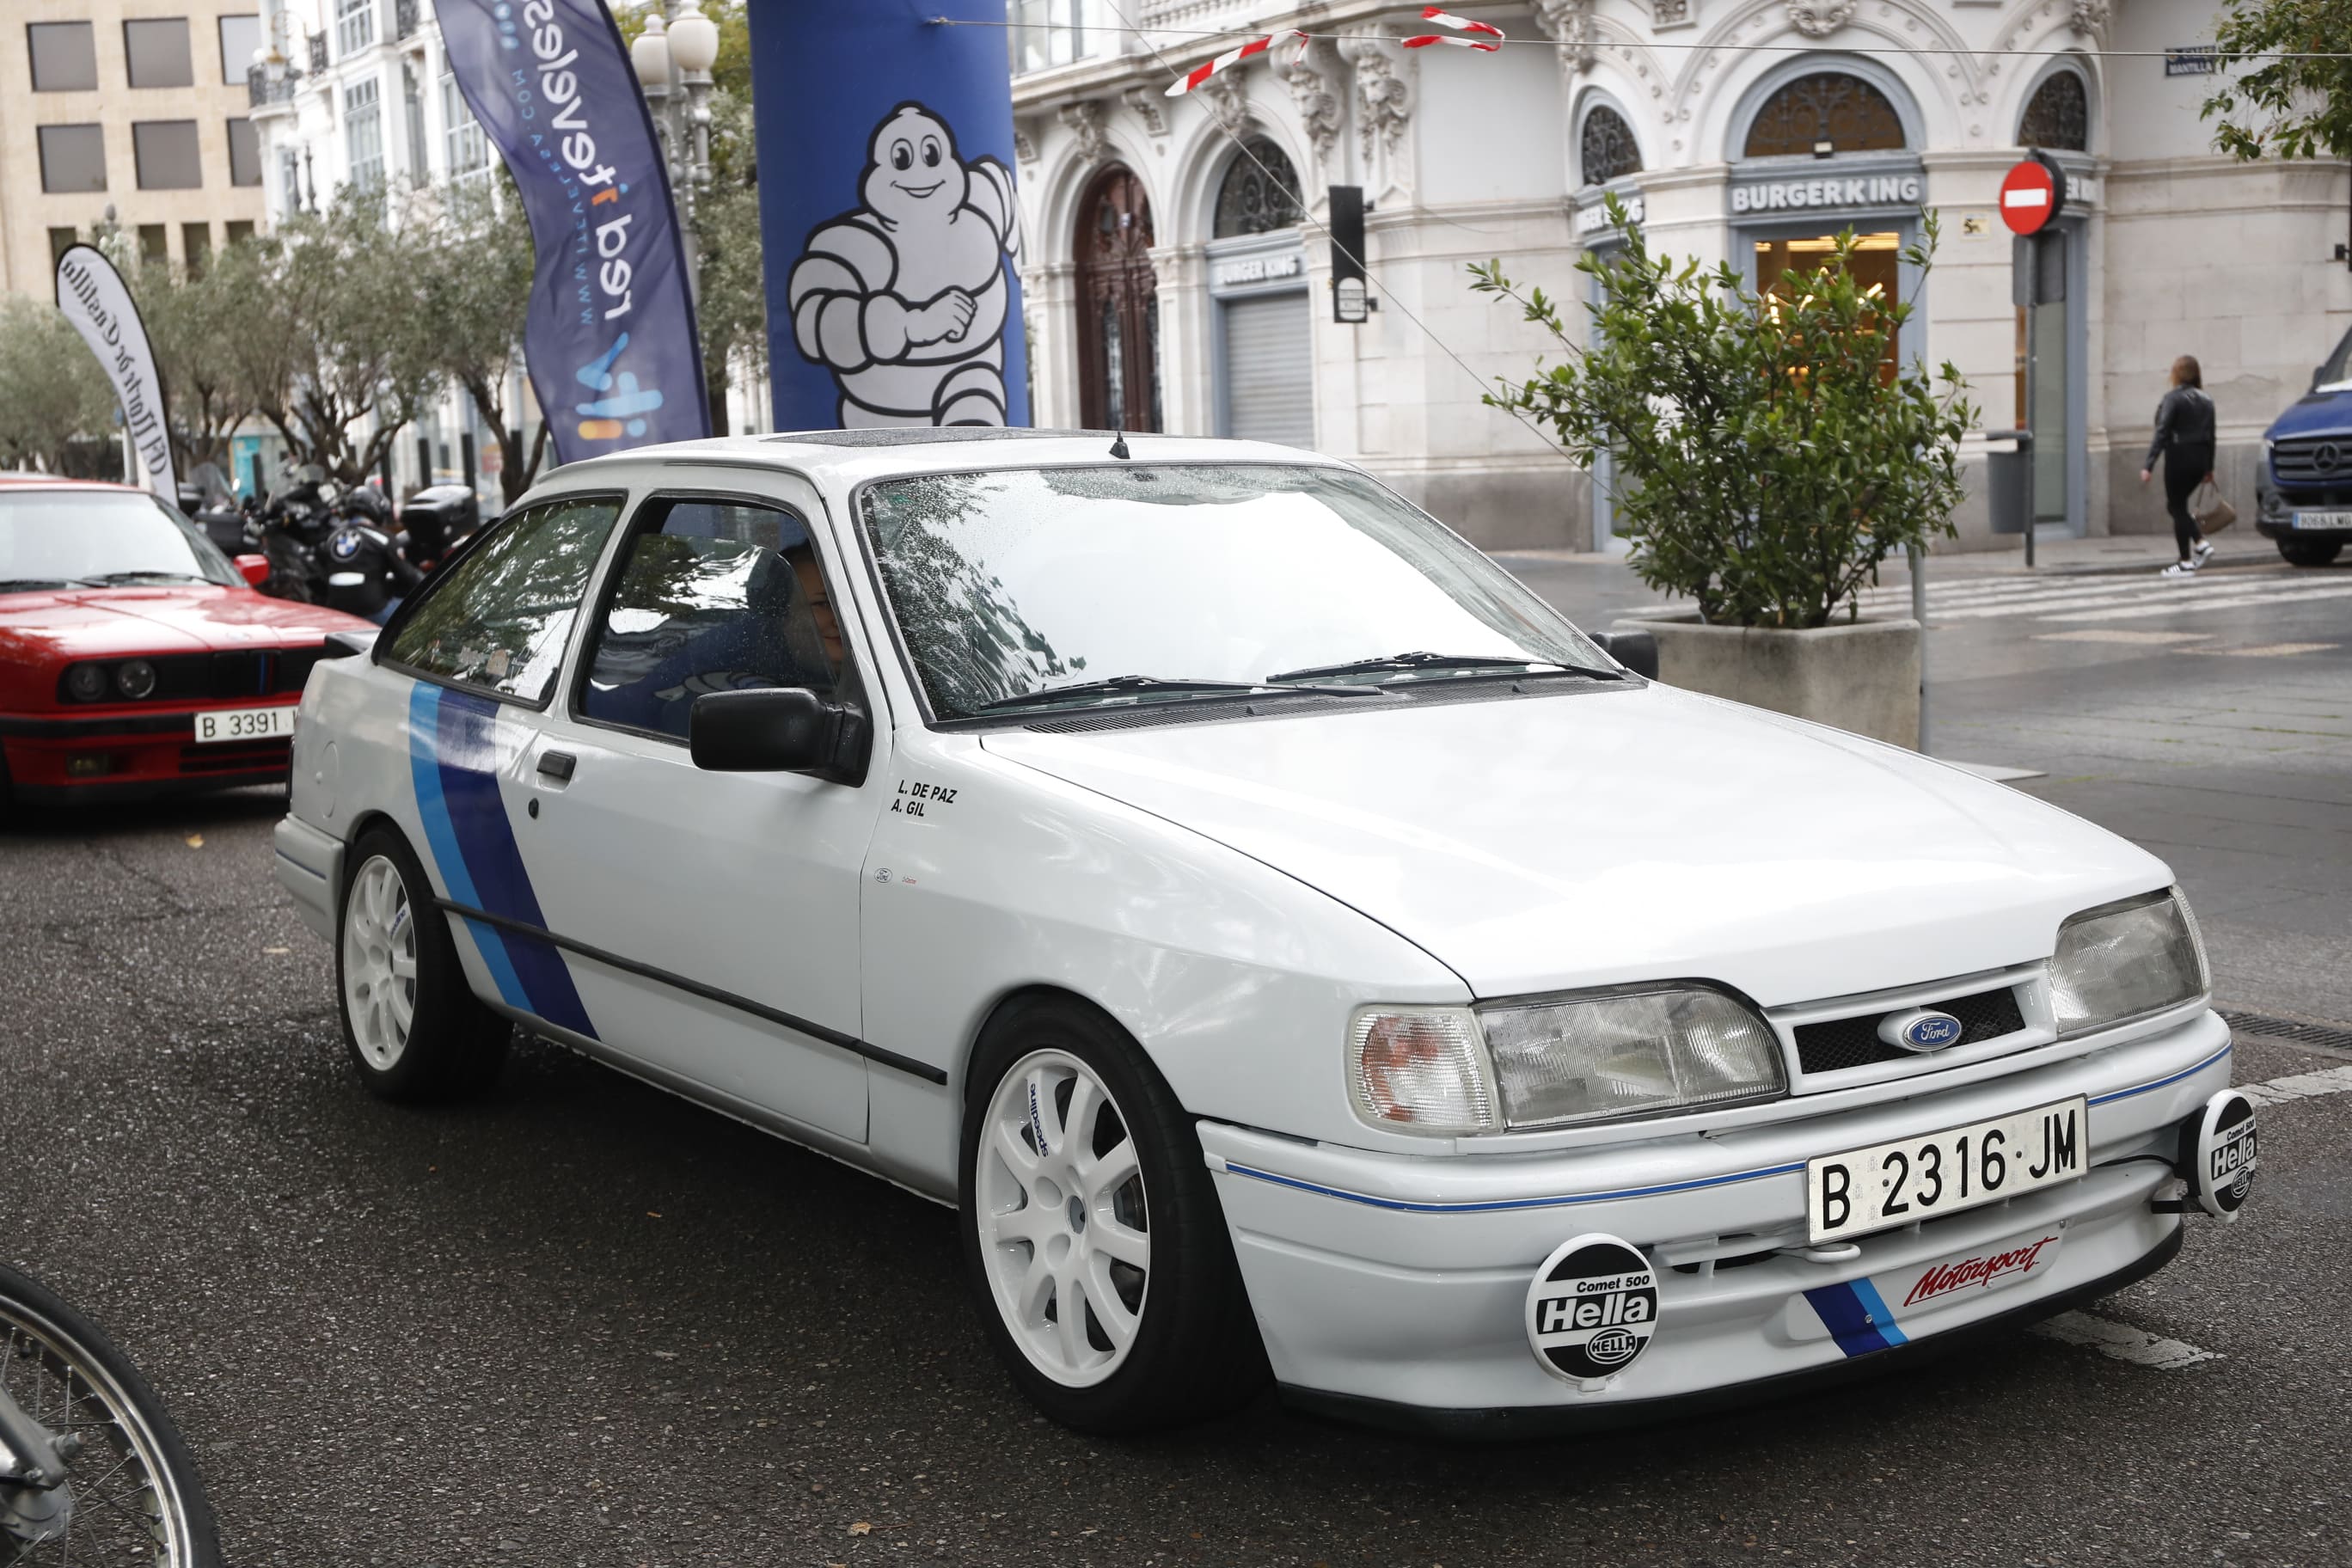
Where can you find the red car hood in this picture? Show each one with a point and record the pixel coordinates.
(100, 622)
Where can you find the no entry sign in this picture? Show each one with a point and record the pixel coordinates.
(2031, 194)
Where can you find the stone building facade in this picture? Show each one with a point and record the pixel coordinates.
(129, 112)
(1176, 277)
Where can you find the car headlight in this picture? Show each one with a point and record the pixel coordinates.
(2124, 961)
(86, 682)
(1635, 1051)
(134, 678)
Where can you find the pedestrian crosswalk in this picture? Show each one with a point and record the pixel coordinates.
(2094, 601)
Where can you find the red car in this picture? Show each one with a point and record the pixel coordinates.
(135, 659)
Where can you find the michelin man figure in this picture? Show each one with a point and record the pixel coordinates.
(905, 298)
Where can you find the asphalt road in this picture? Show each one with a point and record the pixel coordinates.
(580, 1322)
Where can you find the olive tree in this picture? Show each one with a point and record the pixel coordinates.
(2287, 91)
(336, 352)
(1770, 452)
(54, 401)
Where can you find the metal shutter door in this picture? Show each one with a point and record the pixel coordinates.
(1269, 375)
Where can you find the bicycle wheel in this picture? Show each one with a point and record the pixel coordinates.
(131, 1494)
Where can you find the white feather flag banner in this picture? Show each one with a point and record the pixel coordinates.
(97, 303)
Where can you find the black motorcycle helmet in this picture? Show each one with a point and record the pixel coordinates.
(366, 503)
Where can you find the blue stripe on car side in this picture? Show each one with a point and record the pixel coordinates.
(1850, 1321)
(466, 748)
(441, 837)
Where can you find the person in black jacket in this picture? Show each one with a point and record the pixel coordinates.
(2184, 436)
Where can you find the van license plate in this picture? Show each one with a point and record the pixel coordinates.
(1944, 1173)
(2323, 519)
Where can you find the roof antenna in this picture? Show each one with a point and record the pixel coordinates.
(1118, 445)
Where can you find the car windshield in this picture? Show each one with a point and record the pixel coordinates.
(51, 539)
(1143, 583)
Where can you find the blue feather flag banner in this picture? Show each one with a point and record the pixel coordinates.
(610, 338)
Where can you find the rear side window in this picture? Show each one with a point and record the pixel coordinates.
(499, 617)
(711, 595)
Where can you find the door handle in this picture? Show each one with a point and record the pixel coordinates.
(557, 765)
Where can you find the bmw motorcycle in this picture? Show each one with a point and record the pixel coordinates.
(91, 1469)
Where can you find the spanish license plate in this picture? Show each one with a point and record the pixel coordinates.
(2327, 519)
(1944, 1173)
(244, 724)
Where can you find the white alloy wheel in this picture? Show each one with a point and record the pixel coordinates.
(1064, 1232)
(379, 962)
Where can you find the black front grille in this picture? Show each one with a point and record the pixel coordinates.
(2313, 460)
(1837, 1044)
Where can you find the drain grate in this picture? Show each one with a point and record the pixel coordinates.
(2325, 1036)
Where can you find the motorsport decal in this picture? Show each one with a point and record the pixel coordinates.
(1982, 1270)
(453, 750)
(1591, 1309)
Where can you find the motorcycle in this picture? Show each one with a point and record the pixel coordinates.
(295, 526)
(91, 1469)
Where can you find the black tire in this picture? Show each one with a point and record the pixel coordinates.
(1195, 1351)
(454, 1045)
(2310, 552)
(47, 1347)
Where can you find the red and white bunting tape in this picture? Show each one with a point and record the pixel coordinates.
(1236, 57)
(1459, 24)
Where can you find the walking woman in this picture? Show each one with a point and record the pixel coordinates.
(2184, 436)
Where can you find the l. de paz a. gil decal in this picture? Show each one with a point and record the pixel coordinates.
(913, 797)
(1592, 1308)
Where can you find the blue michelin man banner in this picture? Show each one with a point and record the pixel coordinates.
(888, 215)
(610, 338)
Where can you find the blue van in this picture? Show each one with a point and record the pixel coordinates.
(2304, 500)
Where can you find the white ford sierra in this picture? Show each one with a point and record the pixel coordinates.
(1292, 946)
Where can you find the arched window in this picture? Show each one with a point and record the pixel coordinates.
(1826, 112)
(1607, 149)
(1118, 306)
(2059, 118)
(1260, 191)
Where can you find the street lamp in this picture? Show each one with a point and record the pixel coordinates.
(673, 58)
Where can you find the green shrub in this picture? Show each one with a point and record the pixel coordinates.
(1766, 457)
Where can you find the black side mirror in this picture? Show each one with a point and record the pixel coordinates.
(1636, 650)
(787, 730)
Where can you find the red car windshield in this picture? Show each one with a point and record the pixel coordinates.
(100, 538)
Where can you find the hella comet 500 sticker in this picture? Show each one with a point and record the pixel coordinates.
(1592, 1308)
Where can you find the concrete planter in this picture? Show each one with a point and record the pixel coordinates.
(1863, 677)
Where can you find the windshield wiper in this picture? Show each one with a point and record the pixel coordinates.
(26, 584)
(1438, 661)
(106, 579)
(1125, 685)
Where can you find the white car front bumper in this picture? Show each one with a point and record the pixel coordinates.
(1395, 1288)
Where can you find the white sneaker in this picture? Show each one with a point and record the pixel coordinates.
(2202, 552)
(2179, 569)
